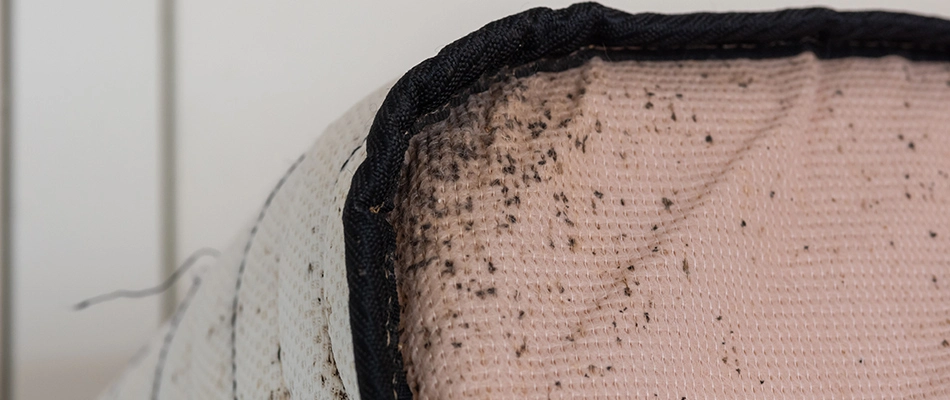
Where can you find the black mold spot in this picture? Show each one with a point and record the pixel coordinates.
(648, 105)
(521, 350)
(536, 128)
(911, 146)
(933, 234)
(647, 316)
(449, 268)
(485, 292)
(742, 223)
(579, 144)
(468, 204)
(598, 194)
(666, 203)
(709, 139)
(597, 127)
(457, 345)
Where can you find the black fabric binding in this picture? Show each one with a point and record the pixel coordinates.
(553, 40)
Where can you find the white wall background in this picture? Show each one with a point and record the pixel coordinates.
(85, 211)
(257, 82)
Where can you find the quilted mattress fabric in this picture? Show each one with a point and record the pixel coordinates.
(723, 229)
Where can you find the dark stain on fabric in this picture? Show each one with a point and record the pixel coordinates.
(666, 203)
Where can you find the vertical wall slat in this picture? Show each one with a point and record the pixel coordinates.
(168, 160)
(6, 391)
(85, 184)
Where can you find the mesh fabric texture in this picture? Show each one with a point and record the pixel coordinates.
(692, 229)
(270, 318)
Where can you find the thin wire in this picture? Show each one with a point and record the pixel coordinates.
(152, 291)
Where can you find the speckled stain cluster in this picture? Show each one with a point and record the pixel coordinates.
(677, 229)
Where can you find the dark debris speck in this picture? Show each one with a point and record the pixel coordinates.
(666, 203)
